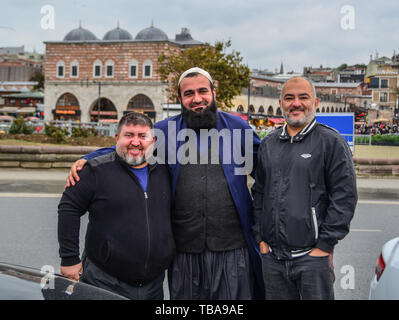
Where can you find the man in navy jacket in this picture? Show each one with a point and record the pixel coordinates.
(217, 256)
(129, 242)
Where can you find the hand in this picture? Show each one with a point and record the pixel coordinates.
(316, 252)
(72, 272)
(264, 247)
(73, 173)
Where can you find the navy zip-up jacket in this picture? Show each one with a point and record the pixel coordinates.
(129, 234)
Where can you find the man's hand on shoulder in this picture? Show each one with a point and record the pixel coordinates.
(73, 176)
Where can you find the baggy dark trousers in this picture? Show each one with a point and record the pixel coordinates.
(302, 278)
(211, 275)
(95, 276)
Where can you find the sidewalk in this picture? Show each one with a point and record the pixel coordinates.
(53, 181)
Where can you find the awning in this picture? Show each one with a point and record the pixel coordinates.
(26, 110)
(381, 120)
(8, 109)
(10, 118)
(277, 120)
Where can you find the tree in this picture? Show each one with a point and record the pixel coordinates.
(226, 69)
(39, 78)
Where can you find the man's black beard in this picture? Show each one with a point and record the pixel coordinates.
(206, 119)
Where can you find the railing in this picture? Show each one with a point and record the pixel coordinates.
(104, 129)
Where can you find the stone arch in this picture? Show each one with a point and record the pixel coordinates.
(143, 104)
(67, 107)
(108, 111)
(251, 108)
(278, 111)
(270, 111)
(328, 109)
(240, 108)
(323, 110)
(261, 109)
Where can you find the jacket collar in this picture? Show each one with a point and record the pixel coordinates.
(300, 135)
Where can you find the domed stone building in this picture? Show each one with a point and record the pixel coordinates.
(88, 78)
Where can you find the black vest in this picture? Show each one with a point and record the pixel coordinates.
(204, 214)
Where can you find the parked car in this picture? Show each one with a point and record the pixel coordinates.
(22, 283)
(385, 283)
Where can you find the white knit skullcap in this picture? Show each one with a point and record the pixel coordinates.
(197, 70)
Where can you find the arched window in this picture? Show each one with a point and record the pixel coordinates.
(270, 111)
(107, 110)
(74, 69)
(97, 69)
(332, 109)
(147, 69)
(60, 69)
(251, 108)
(140, 102)
(240, 108)
(261, 109)
(67, 108)
(328, 109)
(323, 110)
(133, 69)
(109, 69)
(278, 112)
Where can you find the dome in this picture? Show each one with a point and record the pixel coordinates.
(80, 34)
(152, 34)
(118, 34)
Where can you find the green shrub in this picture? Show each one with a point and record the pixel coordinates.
(262, 134)
(385, 139)
(19, 126)
(79, 132)
(60, 134)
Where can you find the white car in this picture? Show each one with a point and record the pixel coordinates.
(385, 283)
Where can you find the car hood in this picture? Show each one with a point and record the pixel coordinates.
(23, 283)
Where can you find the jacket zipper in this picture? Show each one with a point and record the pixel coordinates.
(148, 226)
(277, 220)
(316, 228)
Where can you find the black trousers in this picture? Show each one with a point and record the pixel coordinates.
(305, 277)
(97, 277)
(211, 275)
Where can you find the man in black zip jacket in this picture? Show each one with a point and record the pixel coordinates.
(129, 242)
(304, 199)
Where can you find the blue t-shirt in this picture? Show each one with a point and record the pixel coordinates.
(142, 175)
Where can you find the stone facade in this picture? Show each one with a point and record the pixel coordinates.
(80, 70)
(119, 88)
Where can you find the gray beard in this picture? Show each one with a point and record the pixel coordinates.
(302, 122)
(133, 162)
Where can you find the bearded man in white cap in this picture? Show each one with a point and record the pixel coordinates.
(217, 255)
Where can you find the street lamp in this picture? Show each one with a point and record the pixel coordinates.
(249, 97)
(99, 102)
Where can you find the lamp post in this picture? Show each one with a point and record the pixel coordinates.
(99, 102)
(249, 97)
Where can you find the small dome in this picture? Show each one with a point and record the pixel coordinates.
(80, 34)
(118, 34)
(152, 34)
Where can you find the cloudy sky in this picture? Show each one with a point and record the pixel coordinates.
(266, 32)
